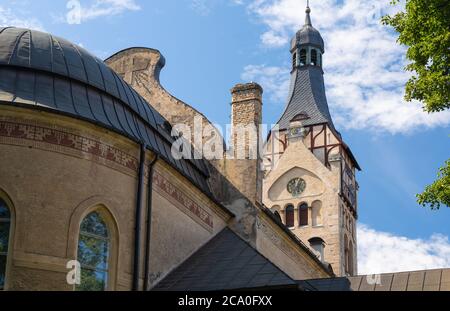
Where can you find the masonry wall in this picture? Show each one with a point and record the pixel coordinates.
(52, 179)
(322, 185)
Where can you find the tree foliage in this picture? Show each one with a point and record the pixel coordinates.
(438, 193)
(425, 29)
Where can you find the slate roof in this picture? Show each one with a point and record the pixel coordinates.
(225, 263)
(307, 89)
(307, 96)
(425, 280)
(331, 284)
(41, 71)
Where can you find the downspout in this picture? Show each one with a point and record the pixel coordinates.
(149, 223)
(138, 218)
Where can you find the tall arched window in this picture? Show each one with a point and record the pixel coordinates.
(318, 245)
(350, 258)
(302, 57)
(316, 211)
(303, 215)
(5, 228)
(289, 215)
(314, 57)
(94, 247)
(346, 257)
(294, 60)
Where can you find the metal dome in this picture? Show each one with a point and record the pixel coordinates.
(308, 35)
(41, 71)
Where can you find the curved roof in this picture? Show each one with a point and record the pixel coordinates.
(308, 35)
(42, 71)
(307, 98)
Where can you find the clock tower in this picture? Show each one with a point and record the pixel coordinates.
(309, 171)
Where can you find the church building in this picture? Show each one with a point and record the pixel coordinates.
(93, 196)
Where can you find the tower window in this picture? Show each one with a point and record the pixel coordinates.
(94, 253)
(294, 60)
(316, 211)
(5, 224)
(303, 215)
(346, 254)
(350, 259)
(314, 57)
(318, 246)
(289, 214)
(302, 57)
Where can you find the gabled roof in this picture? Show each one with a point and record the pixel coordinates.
(41, 71)
(225, 263)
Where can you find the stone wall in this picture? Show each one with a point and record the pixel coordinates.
(52, 184)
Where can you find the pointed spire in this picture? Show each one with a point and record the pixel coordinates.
(308, 17)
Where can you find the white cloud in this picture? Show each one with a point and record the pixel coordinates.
(363, 63)
(10, 18)
(78, 13)
(382, 252)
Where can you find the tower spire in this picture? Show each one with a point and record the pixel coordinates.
(308, 17)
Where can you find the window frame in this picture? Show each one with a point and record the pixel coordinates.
(12, 218)
(111, 264)
(303, 210)
(303, 57)
(289, 210)
(314, 57)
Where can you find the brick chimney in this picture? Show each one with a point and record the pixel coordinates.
(244, 167)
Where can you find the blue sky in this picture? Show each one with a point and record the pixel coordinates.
(210, 45)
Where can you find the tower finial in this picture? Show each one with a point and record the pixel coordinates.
(308, 17)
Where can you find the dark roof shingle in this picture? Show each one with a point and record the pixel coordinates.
(41, 71)
(226, 262)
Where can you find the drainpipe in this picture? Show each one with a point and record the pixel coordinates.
(149, 224)
(138, 217)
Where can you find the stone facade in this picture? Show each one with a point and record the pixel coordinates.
(329, 216)
(51, 187)
(58, 169)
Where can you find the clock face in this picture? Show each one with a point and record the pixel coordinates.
(296, 186)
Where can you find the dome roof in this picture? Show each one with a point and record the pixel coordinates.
(308, 35)
(41, 71)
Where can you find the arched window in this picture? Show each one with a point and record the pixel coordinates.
(294, 60)
(316, 213)
(346, 257)
(318, 245)
(350, 258)
(314, 57)
(302, 57)
(5, 228)
(94, 253)
(289, 215)
(303, 215)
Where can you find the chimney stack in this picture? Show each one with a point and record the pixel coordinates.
(244, 169)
